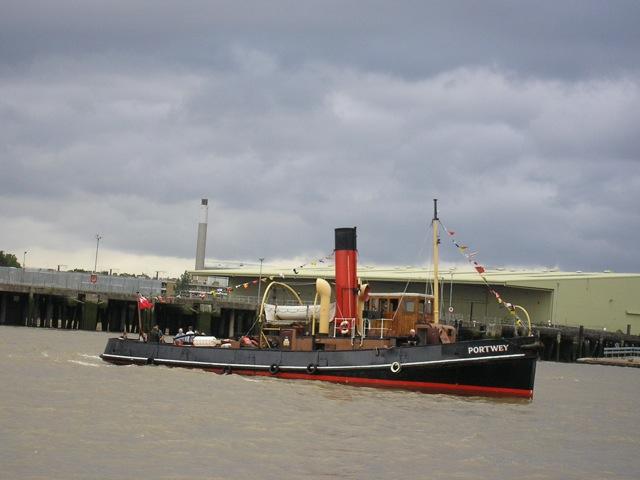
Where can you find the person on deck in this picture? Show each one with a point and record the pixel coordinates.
(180, 337)
(155, 336)
(413, 339)
(248, 342)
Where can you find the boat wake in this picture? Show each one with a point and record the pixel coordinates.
(93, 357)
(251, 380)
(84, 364)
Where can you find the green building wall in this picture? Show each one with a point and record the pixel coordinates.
(598, 301)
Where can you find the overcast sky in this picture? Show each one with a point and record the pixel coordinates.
(297, 117)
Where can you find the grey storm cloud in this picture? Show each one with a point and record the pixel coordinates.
(118, 117)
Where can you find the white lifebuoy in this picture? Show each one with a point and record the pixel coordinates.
(344, 327)
(395, 367)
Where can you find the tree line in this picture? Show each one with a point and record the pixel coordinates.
(9, 260)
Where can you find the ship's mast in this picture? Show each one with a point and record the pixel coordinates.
(436, 241)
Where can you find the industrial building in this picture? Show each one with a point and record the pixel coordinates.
(606, 300)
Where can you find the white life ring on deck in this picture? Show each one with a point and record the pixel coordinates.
(396, 367)
(344, 327)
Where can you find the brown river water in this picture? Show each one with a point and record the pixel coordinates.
(65, 414)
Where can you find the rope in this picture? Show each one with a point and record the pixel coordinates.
(406, 287)
(479, 270)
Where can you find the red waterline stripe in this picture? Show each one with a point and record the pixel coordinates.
(376, 382)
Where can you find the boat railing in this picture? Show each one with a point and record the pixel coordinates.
(346, 325)
(622, 352)
(476, 322)
(382, 329)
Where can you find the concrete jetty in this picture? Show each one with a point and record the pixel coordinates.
(87, 301)
(617, 362)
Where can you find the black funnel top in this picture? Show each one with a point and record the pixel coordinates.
(346, 238)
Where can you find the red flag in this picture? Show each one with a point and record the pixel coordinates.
(480, 269)
(143, 303)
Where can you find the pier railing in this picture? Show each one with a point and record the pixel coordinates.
(78, 281)
(622, 352)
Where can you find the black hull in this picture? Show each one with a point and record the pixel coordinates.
(485, 367)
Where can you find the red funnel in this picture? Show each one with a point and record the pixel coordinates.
(346, 274)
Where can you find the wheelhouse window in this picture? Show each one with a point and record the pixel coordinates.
(394, 304)
(428, 308)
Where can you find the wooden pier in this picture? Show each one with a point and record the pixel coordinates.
(561, 343)
(99, 302)
(104, 303)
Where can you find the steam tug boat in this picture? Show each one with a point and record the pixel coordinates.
(364, 339)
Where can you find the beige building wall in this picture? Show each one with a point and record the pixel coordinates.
(596, 302)
(610, 301)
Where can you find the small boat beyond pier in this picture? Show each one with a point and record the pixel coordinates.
(616, 356)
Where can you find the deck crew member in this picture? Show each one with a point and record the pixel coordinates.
(155, 336)
(413, 339)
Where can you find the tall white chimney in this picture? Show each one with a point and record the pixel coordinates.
(202, 234)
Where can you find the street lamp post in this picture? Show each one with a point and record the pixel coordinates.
(95, 265)
(24, 259)
(260, 281)
(260, 301)
(451, 287)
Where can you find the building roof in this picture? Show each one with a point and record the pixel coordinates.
(409, 273)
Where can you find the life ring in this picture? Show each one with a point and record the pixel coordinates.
(395, 367)
(344, 327)
(312, 368)
(226, 370)
(273, 369)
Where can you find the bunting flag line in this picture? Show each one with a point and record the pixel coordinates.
(246, 284)
(481, 270)
(313, 263)
(296, 271)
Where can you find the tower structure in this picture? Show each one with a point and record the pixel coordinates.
(202, 234)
